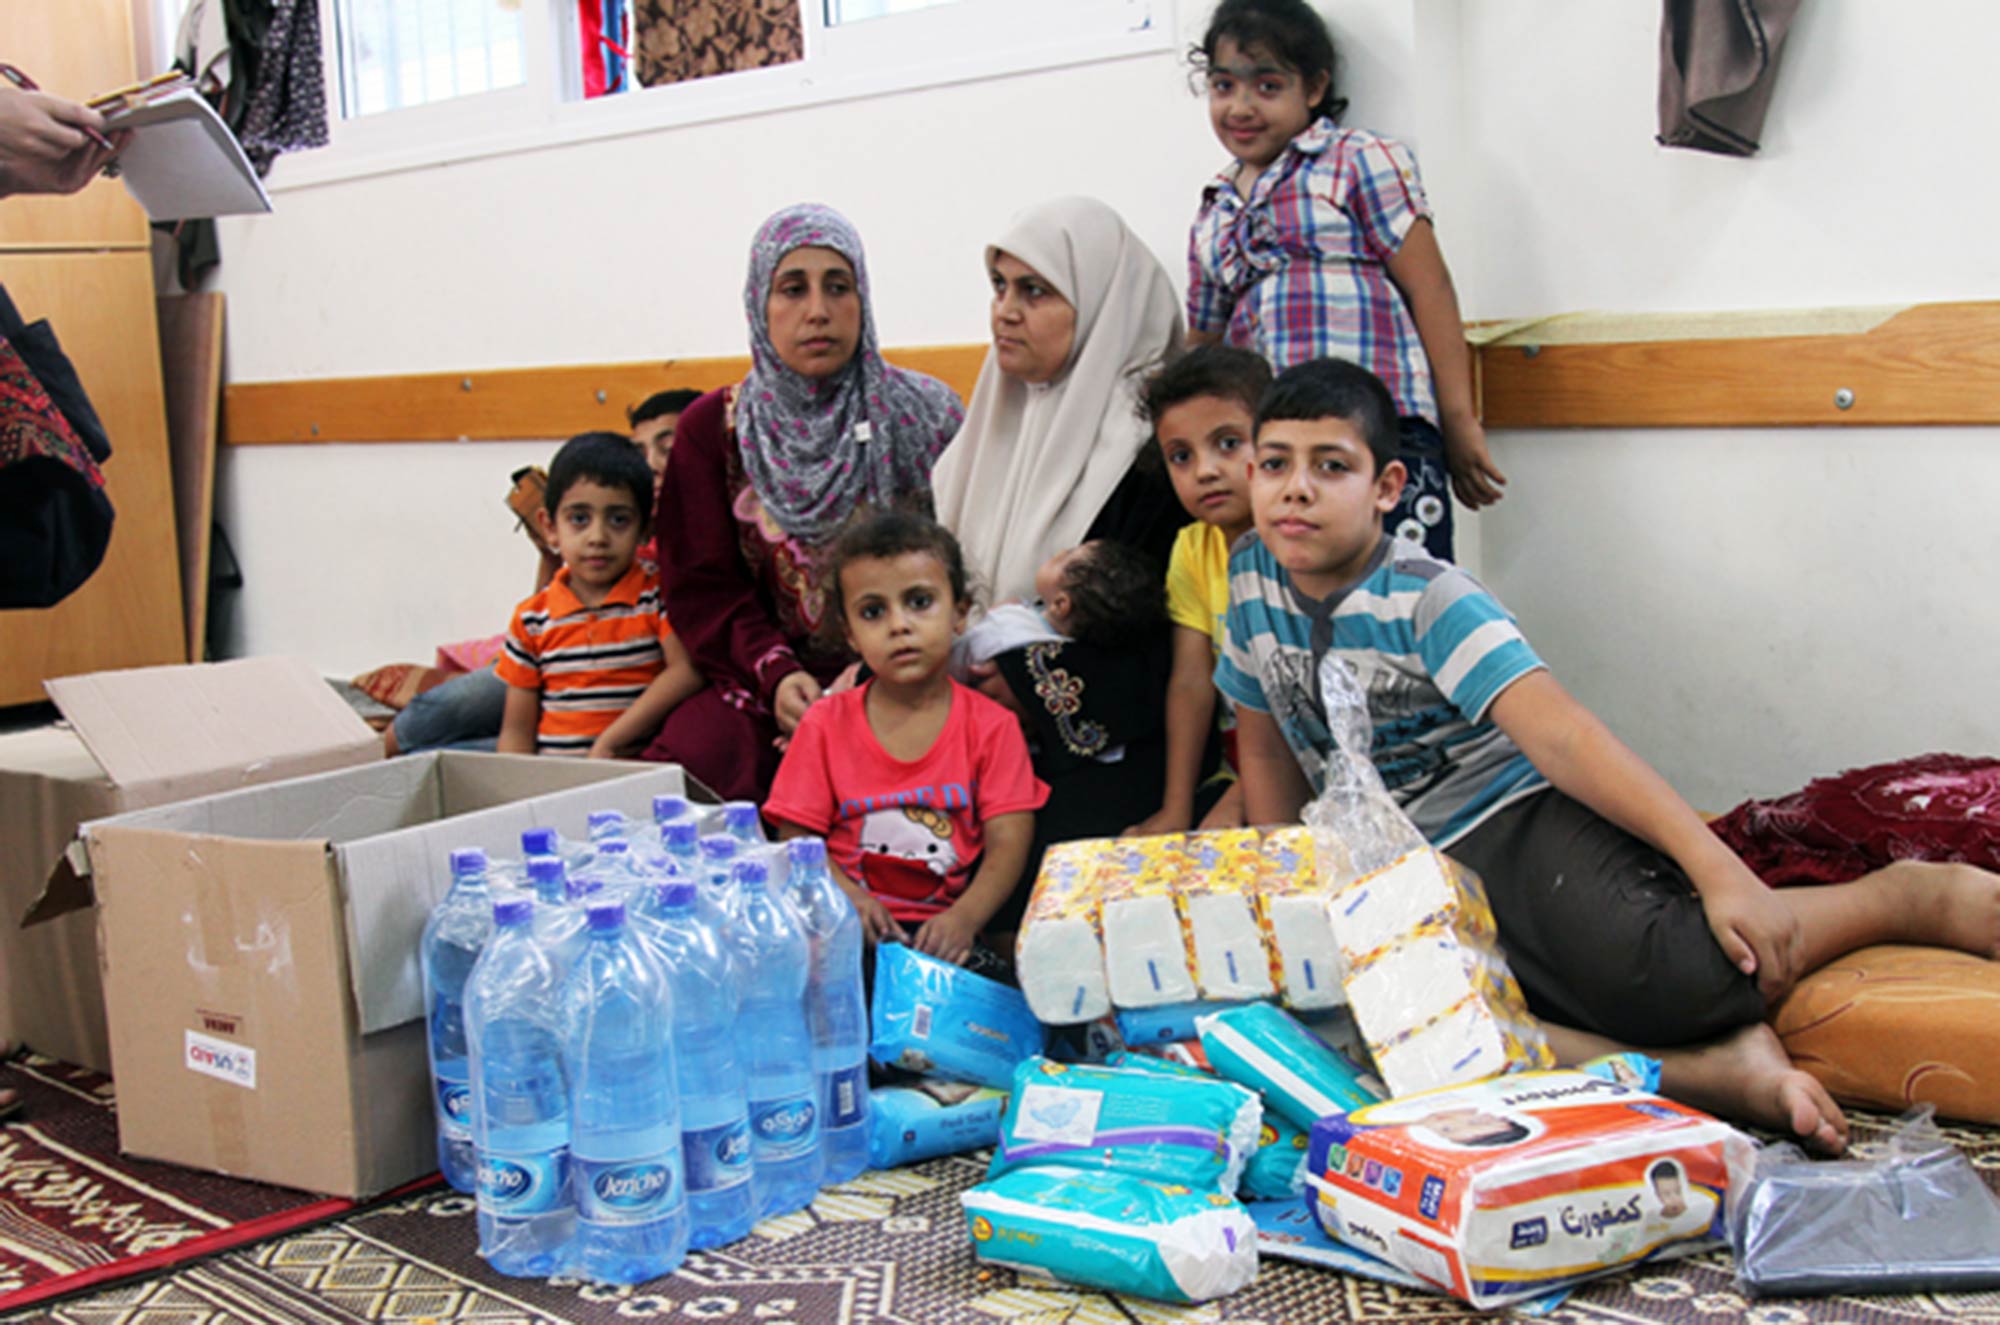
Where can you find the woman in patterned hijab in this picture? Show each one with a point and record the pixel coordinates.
(761, 476)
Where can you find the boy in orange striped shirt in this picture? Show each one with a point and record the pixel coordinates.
(591, 665)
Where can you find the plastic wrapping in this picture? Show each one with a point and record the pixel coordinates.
(1166, 1024)
(1916, 1220)
(1146, 940)
(1198, 1133)
(1113, 1232)
(1299, 1075)
(931, 1118)
(1218, 894)
(1426, 977)
(1060, 952)
(1508, 1188)
(941, 1020)
(1293, 883)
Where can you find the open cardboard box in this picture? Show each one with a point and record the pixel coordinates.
(260, 955)
(133, 739)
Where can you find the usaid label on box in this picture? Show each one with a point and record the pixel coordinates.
(234, 1063)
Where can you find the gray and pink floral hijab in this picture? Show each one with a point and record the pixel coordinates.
(816, 450)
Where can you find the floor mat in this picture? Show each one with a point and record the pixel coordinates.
(75, 1214)
(887, 1249)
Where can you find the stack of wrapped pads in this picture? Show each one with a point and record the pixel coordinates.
(1467, 1163)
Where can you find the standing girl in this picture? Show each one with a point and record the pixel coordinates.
(1317, 241)
(921, 786)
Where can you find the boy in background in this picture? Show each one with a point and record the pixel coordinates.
(654, 420)
(1628, 923)
(591, 665)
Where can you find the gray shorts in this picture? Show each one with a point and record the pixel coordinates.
(1604, 933)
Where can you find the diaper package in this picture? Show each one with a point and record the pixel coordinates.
(1176, 1129)
(1145, 937)
(1218, 888)
(1277, 1168)
(1508, 1188)
(1426, 980)
(1292, 885)
(1166, 1024)
(1298, 1075)
(941, 1020)
(1059, 955)
(1113, 1232)
(931, 1118)
(1166, 1067)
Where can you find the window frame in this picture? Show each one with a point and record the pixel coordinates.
(863, 58)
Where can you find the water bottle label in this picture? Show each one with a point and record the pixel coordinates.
(512, 1185)
(717, 1157)
(784, 1128)
(628, 1191)
(454, 1109)
(846, 1102)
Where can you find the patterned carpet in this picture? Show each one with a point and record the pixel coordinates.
(888, 1249)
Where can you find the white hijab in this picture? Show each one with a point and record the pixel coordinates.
(1034, 464)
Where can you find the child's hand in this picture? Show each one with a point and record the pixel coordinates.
(1162, 820)
(876, 922)
(1756, 930)
(1228, 812)
(988, 681)
(1474, 476)
(947, 937)
(847, 679)
(794, 695)
(603, 749)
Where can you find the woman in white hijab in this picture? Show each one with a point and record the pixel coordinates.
(1053, 454)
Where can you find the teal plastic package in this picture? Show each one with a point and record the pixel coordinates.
(1277, 1168)
(1168, 1128)
(1114, 1232)
(941, 1020)
(1165, 1067)
(1299, 1075)
(1168, 1023)
(923, 1121)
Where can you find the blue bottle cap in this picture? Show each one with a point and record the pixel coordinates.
(659, 866)
(678, 895)
(718, 847)
(576, 889)
(545, 869)
(613, 846)
(806, 852)
(739, 814)
(513, 911)
(680, 836)
(468, 860)
(669, 808)
(538, 842)
(750, 873)
(606, 917)
(604, 818)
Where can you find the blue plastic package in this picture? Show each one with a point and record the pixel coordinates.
(1299, 1075)
(942, 1020)
(1114, 1232)
(1167, 1023)
(1171, 1129)
(1627, 1069)
(1277, 1168)
(915, 1122)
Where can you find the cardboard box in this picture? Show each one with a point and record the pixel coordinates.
(260, 955)
(133, 739)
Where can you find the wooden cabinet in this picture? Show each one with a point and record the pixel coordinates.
(84, 262)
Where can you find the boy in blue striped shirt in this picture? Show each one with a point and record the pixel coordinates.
(1628, 923)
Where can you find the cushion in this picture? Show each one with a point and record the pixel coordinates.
(1893, 1026)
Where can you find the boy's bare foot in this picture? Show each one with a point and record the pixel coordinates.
(1747, 1077)
(1947, 906)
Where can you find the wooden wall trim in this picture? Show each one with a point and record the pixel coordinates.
(1927, 365)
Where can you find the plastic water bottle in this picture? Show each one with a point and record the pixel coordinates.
(520, 1104)
(539, 842)
(681, 840)
(741, 821)
(668, 809)
(836, 1007)
(715, 1112)
(558, 924)
(457, 930)
(625, 1128)
(655, 869)
(777, 1045)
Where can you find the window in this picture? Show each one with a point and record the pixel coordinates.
(400, 53)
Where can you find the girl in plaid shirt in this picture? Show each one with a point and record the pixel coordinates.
(1317, 241)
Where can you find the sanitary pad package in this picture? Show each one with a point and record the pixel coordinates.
(1510, 1187)
(1177, 1129)
(1306, 964)
(1114, 1232)
(1059, 956)
(1218, 890)
(942, 1020)
(923, 1121)
(1299, 1076)
(1146, 948)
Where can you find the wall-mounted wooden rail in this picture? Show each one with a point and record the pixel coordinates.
(1927, 364)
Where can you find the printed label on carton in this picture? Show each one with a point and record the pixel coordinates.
(234, 1063)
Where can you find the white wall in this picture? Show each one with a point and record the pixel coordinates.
(1751, 577)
